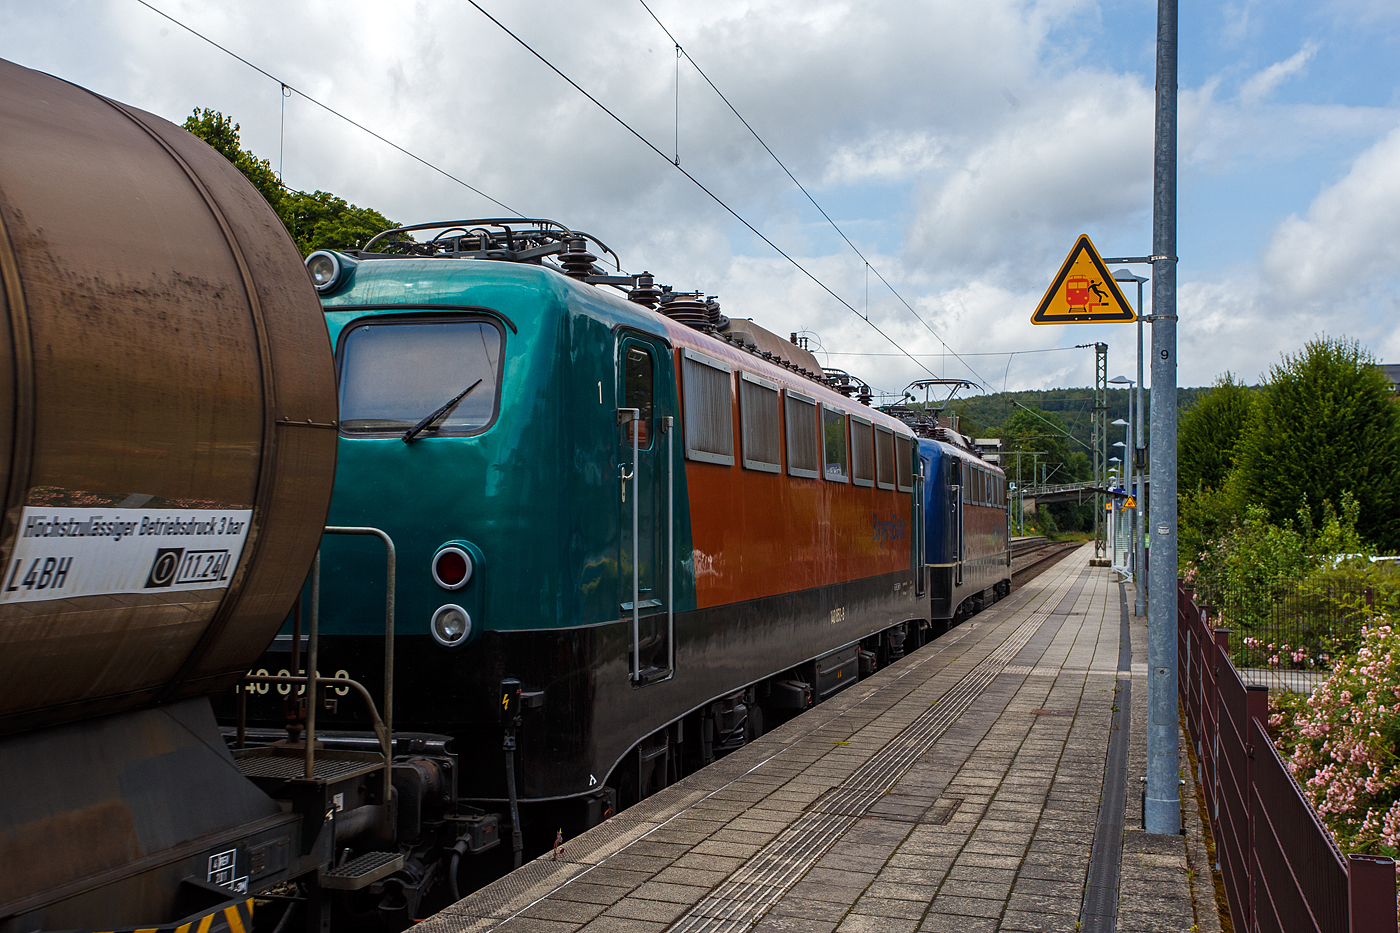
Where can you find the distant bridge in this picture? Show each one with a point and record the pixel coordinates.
(1071, 492)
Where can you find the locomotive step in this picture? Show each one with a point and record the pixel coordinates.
(362, 872)
(286, 763)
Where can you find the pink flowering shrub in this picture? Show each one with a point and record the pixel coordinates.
(1340, 742)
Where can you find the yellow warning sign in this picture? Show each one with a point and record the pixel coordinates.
(1130, 504)
(1083, 292)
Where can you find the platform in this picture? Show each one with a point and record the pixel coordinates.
(956, 790)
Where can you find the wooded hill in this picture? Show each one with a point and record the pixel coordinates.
(983, 415)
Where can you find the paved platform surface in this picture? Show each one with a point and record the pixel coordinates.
(956, 790)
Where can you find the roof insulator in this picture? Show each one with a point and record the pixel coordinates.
(645, 291)
(576, 259)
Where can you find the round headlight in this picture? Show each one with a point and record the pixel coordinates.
(324, 269)
(452, 568)
(451, 626)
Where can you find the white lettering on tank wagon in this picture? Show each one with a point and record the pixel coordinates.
(65, 552)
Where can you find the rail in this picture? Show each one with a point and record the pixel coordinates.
(1280, 866)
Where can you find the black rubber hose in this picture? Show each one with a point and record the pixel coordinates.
(516, 841)
(286, 915)
(458, 851)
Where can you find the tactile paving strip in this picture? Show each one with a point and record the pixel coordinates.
(741, 900)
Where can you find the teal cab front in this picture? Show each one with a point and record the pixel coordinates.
(504, 424)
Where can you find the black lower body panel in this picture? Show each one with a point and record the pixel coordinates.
(591, 713)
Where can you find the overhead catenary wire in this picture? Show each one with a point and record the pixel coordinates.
(695, 181)
(680, 50)
(285, 87)
(984, 353)
(332, 111)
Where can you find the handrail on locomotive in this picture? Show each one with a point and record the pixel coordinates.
(383, 726)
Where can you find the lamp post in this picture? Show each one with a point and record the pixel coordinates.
(1132, 475)
(1138, 415)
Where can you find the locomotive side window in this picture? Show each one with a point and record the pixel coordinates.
(636, 390)
(834, 445)
(803, 448)
(396, 373)
(862, 452)
(760, 425)
(884, 457)
(709, 408)
(904, 463)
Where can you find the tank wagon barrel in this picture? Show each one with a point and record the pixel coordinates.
(167, 452)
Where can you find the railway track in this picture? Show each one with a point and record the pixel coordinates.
(1027, 562)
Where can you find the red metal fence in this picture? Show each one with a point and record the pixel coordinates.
(1281, 868)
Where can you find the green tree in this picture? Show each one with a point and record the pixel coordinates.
(316, 221)
(1209, 433)
(324, 221)
(221, 133)
(1061, 460)
(1325, 424)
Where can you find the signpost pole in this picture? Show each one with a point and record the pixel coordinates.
(1100, 442)
(1163, 805)
(1140, 488)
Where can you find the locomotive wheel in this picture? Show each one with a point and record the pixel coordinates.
(753, 726)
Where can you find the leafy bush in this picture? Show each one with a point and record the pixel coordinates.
(1325, 425)
(1340, 742)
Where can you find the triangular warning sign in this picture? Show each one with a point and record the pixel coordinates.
(1083, 292)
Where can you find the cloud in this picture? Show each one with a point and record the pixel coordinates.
(1263, 83)
(1078, 156)
(961, 146)
(889, 156)
(1349, 235)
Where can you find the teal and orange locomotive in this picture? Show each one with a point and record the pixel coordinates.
(629, 531)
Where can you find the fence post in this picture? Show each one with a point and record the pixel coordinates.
(1371, 894)
(1221, 653)
(1256, 708)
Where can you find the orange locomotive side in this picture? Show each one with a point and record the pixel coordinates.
(758, 534)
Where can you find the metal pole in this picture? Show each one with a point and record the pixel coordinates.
(636, 559)
(1131, 550)
(1140, 490)
(1163, 811)
(312, 648)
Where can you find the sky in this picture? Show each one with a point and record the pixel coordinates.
(960, 147)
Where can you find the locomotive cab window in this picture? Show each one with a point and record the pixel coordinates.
(709, 408)
(396, 373)
(760, 424)
(637, 393)
(834, 445)
(803, 447)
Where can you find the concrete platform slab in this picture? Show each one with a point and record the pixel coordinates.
(958, 789)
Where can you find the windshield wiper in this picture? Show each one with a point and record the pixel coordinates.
(423, 425)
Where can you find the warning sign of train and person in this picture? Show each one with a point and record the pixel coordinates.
(1083, 292)
(66, 552)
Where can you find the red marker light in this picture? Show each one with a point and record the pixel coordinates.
(452, 568)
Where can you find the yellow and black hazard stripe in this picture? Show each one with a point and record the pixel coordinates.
(231, 916)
